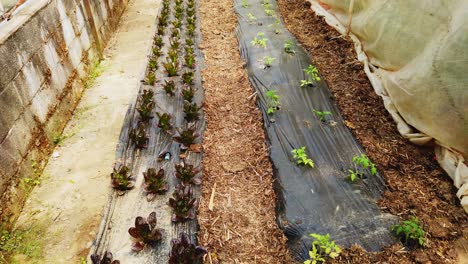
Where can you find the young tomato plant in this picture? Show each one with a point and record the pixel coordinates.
(164, 122)
(267, 61)
(306, 83)
(289, 47)
(410, 232)
(182, 203)
(259, 40)
(312, 72)
(245, 4)
(301, 157)
(273, 102)
(322, 249)
(155, 182)
(145, 232)
(187, 174)
(184, 252)
(191, 111)
(121, 178)
(107, 258)
(322, 114)
(362, 165)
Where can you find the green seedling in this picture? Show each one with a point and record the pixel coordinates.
(306, 83)
(269, 12)
(145, 111)
(175, 33)
(312, 72)
(175, 44)
(172, 54)
(322, 114)
(191, 111)
(289, 47)
(162, 23)
(322, 249)
(189, 61)
(169, 87)
(362, 164)
(164, 121)
(187, 77)
(259, 40)
(273, 102)
(188, 94)
(121, 179)
(410, 232)
(177, 24)
(267, 61)
(186, 137)
(158, 41)
(191, 21)
(147, 96)
(139, 136)
(301, 157)
(189, 42)
(161, 31)
(189, 50)
(251, 17)
(171, 68)
(245, 4)
(191, 12)
(153, 64)
(150, 78)
(156, 52)
(191, 30)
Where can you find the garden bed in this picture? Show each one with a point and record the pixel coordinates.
(416, 183)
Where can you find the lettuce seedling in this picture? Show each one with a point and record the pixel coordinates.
(171, 68)
(139, 136)
(145, 232)
(146, 96)
(186, 137)
(173, 55)
(301, 157)
(155, 182)
(175, 44)
(177, 24)
(121, 179)
(187, 77)
(175, 33)
(169, 87)
(164, 122)
(410, 232)
(187, 174)
(150, 78)
(107, 258)
(189, 61)
(322, 249)
(182, 203)
(190, 12)
(189, 50)
(184, 252)
(191, 30)
(153, 64)
(156, 53)
(191, 111)
(145, 110)
(158, 41)
(188, 42)
(188, 93)
(322, 114)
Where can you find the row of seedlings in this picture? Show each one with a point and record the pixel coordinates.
(409, 231)
(183, 202)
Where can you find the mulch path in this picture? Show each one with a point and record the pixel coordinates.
(417, 186)
(242, 227)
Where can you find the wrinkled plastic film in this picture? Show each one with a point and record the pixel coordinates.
(120, 211)
(310, 200)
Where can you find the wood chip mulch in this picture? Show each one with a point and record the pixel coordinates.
(417, 185)
(241, 227)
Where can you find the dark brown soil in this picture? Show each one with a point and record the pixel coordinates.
(239, 225)
(417, 186)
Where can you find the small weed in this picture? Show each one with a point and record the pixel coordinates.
(410, 232)
(322, 114)
(322, 249)
(301, 157)
(289, 47)
(259, 40)
(267, 61)
(312, 72)
(95, 71)
(273, 102)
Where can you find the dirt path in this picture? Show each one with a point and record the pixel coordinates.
(417, 185)
(69, 201)
(241, 228)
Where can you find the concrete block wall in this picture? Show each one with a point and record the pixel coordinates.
(46, 52)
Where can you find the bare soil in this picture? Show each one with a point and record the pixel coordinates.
(417, 186)
(241, 227)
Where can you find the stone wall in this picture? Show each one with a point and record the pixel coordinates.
(46, 52)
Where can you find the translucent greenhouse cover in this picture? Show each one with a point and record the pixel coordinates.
(415, 54)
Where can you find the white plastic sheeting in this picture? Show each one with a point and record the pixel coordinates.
(415, 54)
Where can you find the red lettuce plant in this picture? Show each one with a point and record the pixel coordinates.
(182, 203)
(106, 259)
(145, 232)
(186, 137)
(121, 178)
(139, 136)
(187, 174)
(184, 252)
(155, 182)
